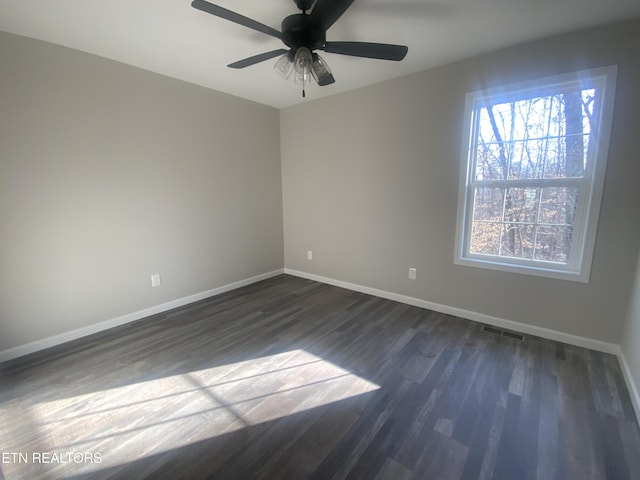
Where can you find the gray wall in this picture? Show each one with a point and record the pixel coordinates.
(108, 174)
(370, 185)
(631, 333)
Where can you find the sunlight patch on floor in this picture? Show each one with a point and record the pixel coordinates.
(130, 422)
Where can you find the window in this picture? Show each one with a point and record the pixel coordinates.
(532, 174)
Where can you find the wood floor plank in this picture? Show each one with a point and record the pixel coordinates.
(478, 442)
(547, 449)
(508, 465)
(292, 379)
(394, 470)
(443, 458)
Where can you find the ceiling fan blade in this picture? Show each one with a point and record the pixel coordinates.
(326, 12)
(381, 51)
(247, 62)
(234, 17)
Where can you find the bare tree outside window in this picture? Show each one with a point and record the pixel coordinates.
(530, 170)
(537, 138)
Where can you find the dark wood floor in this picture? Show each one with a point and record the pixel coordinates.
(292, 379)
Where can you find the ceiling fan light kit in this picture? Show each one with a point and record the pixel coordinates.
(302, 67)
(321, 71)
(284, 66)
(304, 33)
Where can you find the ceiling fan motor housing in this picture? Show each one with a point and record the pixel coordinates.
(299, 31)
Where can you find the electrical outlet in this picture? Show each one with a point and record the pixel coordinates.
(412, 273)
(155, 280)
(309, 255)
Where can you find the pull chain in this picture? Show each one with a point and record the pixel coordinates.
(303, 93)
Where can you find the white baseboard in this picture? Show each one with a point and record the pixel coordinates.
(631, 384)
(468, 314)
(547, 333)
(38, 345)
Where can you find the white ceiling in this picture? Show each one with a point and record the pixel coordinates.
(172, 38)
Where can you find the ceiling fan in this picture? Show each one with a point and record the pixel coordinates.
(304, 33)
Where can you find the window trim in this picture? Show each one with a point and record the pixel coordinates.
(587, 212)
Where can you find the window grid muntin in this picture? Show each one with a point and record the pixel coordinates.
(536, 224)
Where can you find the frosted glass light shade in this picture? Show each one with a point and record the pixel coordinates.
(320, 70)
(284, 66)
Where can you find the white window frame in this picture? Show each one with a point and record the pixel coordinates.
(590, 187)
